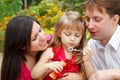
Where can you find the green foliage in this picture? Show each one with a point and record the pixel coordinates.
(71, 5)
(1, 39)
(47, 12)
(9, 7)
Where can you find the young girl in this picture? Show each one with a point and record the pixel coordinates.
(68, 42)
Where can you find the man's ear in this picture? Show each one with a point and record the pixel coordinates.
(116, 19)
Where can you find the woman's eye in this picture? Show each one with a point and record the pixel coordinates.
(40, 30)
(34, 39)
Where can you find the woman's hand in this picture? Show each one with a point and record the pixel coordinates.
(72, 76)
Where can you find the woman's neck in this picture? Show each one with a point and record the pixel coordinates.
(30, 60)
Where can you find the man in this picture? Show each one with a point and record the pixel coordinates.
(102, 17)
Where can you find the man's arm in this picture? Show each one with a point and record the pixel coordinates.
(111, 74)
(87, 62)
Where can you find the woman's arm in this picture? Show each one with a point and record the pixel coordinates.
(41, 66)
(72, 76)
(44, 66)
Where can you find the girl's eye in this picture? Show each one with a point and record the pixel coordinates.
(67, 34)
(77, 35)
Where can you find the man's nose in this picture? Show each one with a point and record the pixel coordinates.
(90, 24)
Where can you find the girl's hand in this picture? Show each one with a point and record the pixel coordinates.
(56, 66)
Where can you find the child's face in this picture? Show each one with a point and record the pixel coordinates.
(70, 38)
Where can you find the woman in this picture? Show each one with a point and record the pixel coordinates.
(24, 41)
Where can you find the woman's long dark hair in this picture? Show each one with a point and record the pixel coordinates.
(17, 43)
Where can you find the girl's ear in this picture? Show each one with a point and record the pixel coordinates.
(58, 34)
(116, 19)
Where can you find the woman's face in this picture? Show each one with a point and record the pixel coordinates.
(38, 39)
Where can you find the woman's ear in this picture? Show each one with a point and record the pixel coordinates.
(116, 19)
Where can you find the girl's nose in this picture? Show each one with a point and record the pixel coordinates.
(72, 37)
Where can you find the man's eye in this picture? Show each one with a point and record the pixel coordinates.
(97, 19)
(87, 19)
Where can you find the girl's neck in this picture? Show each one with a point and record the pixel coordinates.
(68, 54)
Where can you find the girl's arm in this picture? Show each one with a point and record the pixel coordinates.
(87, 62)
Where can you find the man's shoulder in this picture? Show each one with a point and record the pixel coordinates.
(91, 41)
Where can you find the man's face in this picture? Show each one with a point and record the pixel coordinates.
(100, 25)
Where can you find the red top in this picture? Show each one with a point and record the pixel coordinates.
(60, 55)
(25, 73)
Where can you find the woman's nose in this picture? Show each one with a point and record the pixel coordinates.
(42, 36)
